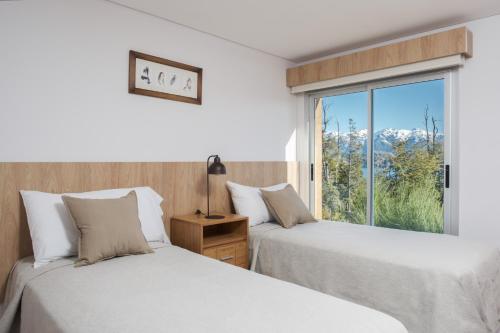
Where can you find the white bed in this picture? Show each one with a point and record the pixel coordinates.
(173, 290)
(431, 283)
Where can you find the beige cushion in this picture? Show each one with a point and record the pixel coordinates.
(287, 207)
(108, 228)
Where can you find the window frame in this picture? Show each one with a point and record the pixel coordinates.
(450, 201)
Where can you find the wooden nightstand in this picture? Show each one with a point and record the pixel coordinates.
(225, 239)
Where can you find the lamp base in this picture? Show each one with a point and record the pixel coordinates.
(214, 217)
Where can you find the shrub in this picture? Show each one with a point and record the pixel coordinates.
(410, 207)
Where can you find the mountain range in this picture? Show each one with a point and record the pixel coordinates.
(385, 139)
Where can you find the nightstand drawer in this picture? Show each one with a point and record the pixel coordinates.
(212, 252)
(227, 253)
(235, 254)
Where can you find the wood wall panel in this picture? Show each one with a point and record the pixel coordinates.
(182, 185)
(438, 45)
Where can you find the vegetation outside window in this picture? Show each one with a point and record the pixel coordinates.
(380, 154)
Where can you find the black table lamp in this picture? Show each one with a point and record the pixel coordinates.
(216, 168)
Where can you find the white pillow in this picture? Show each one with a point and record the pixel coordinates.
(52, 230)
(53, 233)
(248, 201)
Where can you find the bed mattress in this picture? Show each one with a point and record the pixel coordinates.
(174, 290)
(430, 282)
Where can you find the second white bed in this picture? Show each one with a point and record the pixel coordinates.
(432, 283)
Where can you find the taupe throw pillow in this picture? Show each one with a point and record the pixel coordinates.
(287, 207)
(108, 228)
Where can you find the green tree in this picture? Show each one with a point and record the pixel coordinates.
(411, 166)
(343, 183)
(330, 163)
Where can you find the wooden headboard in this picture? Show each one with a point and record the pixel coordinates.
(182, 185)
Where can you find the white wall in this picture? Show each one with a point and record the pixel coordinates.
(63, 97)
(477, 121)
(479, 134)
(64, 79)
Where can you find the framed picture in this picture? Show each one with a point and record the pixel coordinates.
(157, 77)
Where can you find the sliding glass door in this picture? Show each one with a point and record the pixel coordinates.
(380, 154)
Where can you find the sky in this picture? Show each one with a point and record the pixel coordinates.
(399, 107)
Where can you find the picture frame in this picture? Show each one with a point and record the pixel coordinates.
(162, 78)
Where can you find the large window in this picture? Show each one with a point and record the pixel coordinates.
(381, 154)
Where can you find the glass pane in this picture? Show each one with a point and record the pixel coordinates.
(408, 142)
(343, 152)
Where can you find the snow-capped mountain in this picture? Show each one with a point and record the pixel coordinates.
(385, 139)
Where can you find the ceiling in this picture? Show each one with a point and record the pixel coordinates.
(300, 30)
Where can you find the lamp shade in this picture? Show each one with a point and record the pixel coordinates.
(216, 168)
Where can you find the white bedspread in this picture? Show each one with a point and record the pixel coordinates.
(430, 282)
(173, 290)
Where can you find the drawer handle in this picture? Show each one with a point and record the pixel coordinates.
(226, 258)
